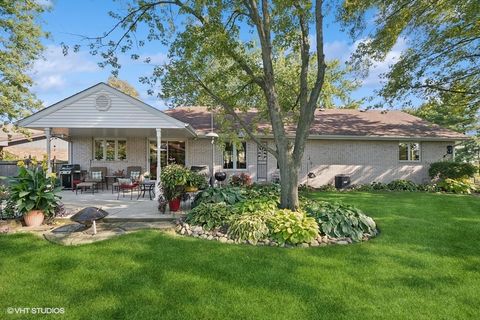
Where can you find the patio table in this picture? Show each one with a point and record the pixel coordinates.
(114, 180)
(147, 186)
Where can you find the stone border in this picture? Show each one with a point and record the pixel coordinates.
(195, 231)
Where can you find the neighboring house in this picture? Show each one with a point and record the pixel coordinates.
(105, 127)
(20, 146)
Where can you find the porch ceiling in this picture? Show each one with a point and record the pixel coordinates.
(170, 133)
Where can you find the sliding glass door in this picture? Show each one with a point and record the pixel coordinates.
(170, 152)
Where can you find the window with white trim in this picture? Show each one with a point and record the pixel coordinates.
(110, 149)
(234, 157)
(409, 151)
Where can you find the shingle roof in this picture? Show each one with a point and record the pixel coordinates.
(338, 122)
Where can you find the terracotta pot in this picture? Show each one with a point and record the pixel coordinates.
(174, 204)
(34, 218)
(191, 189)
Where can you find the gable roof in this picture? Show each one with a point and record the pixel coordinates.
(339, 123)
(79, 111)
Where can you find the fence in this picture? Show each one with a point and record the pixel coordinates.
(10, 169)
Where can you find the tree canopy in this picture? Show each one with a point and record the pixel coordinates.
(442, 59)
(123, 86)
(20, 46)
(238, 55)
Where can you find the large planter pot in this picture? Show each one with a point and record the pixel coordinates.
(34, 218)
(174, 204)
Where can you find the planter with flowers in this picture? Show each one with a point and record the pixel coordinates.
(174, 179)
(33, 192)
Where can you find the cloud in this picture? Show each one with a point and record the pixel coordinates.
(380, 67)
(53, 70)
(337, 50)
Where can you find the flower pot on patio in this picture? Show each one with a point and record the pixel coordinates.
(34, 218)
(174, 204)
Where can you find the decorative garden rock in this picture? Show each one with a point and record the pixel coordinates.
(221, 236)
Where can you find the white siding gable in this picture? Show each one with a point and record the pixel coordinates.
(80, 111)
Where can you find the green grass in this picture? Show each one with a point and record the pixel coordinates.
(424, 265)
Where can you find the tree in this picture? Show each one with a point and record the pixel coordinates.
(123, 86)
(233, 56)
(442, 59)
(20, 46)
(450, 110)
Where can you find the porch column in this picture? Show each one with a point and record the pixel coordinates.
(159, 168)
(49, 153)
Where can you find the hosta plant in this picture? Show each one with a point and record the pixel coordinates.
(209, 215)
(341, 220)
(292, 227)
(229, 195)
(256, 205)
(251, 227)
(457, 186)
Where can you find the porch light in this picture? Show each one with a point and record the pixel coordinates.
(212, 135)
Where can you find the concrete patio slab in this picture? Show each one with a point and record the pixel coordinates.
(122, 209)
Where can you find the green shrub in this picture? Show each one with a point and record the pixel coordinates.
(452, 170)
(209, 215)
(271, 190)
(256, 205)
(457, 186)
(341, 220)
(229, 195)
(428, 187)
(402, 185)
(292, 227)
(251, 227)
(327, 188)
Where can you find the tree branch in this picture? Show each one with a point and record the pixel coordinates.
(231, 110)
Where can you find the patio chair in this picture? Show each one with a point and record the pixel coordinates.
(134, 173)
(97, 175)
(127, 184)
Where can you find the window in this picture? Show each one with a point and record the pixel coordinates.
(409, 151)
(235, 157)
(110, 149)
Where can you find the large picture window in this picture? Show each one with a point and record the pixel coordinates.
(409, 151)
(110, 149)
(234, 157)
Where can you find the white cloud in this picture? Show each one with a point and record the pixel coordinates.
(53, 70)
(381, 67)
(337, 50)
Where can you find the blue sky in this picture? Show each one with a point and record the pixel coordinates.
(57, 76)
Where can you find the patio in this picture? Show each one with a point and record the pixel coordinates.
(123, 209)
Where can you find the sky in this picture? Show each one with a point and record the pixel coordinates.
(57, 76)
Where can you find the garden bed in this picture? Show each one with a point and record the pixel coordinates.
(250, 215)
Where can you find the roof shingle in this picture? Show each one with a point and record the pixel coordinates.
(338, 122)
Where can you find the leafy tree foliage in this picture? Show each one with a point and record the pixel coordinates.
(20, 45)
(237, 55)
(442, 60)
(123, 86)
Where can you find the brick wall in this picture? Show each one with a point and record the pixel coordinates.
(365, 161)
(82, 149)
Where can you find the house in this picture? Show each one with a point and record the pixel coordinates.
(105, 127)
(20, 146)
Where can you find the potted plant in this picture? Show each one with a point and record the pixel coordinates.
(174, 178)
(195, 181)
(33, 192)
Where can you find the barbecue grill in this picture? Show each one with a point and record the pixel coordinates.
(68, 173)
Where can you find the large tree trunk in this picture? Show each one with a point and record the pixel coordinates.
(288, 180)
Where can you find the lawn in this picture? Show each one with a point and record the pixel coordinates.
(425, 264)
